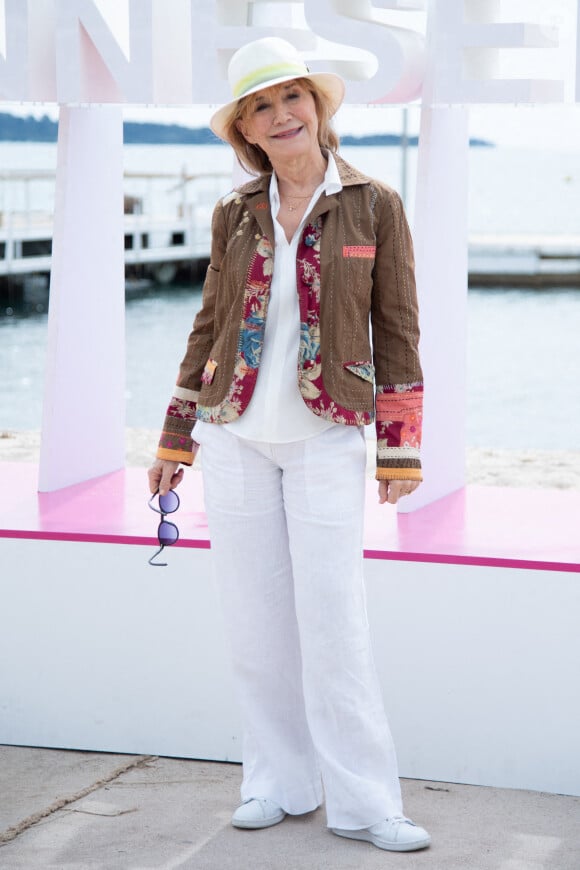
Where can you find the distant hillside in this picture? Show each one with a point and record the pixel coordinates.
(392, 139)
(15, 129)
(167, 134)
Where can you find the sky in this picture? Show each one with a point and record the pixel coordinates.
(554, 127)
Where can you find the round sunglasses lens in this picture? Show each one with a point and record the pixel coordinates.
(167, 534)
(169, 502)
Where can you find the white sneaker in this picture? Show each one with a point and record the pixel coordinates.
(397, 835)
(257, 813)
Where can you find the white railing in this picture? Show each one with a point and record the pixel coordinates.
(169, 220)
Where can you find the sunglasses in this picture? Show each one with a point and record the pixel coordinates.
(167, 533)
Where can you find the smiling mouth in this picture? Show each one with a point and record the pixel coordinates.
(288, 134)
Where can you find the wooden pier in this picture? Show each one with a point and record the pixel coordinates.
(537, 261)
(157, 243)
(162, 242)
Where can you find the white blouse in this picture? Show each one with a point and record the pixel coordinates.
(277, 412)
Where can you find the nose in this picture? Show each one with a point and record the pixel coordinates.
(281, 112)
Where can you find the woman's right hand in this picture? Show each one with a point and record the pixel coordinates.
(164, 475)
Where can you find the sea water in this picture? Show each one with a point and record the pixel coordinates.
(523, 361)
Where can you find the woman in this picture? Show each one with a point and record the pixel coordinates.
(278, 379)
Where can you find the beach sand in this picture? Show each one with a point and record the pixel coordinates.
(552, 469)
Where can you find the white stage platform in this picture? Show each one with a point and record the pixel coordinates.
(473, 603)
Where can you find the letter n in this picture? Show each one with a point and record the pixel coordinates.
(91, 64)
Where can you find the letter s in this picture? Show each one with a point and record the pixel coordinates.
(400, 53)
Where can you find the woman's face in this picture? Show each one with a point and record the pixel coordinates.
(282, 120)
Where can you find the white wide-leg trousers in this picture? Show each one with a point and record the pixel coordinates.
(286, 523)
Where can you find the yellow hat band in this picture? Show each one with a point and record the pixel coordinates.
(268, 74)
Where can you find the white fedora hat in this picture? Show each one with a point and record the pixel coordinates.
(264, 63)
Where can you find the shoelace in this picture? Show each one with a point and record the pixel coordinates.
(393, 821)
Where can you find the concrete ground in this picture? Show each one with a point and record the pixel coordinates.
(65, 810)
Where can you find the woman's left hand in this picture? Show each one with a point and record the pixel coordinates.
(391, 490)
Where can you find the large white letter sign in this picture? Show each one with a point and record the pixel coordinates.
(90, 64)
(468, 39)
(397, 74)
(177, 52)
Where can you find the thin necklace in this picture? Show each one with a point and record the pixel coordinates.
(294, 207)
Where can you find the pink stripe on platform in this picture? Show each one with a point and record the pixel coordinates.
(481, 561)
(85, 538)
(479, 526)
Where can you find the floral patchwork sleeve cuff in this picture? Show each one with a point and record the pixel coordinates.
(399, 415)
(176, 443)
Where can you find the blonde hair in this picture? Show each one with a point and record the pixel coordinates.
(254, 159)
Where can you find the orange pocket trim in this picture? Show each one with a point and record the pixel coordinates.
(365, 251)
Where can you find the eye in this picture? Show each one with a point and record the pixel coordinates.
(260, 107)
(293, 95)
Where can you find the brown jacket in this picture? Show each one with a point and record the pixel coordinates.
(354, 264)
